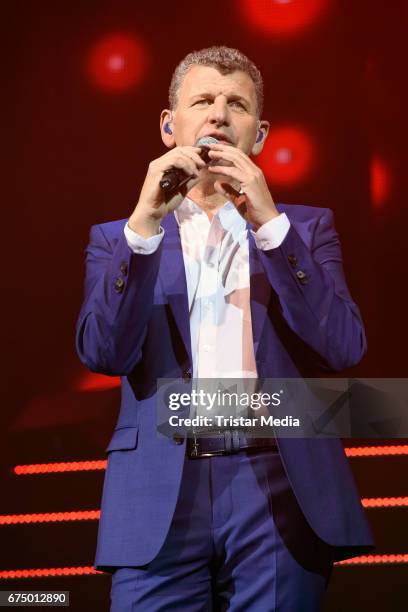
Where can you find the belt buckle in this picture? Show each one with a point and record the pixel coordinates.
(195, 450)
(195, 453)
(231, 445)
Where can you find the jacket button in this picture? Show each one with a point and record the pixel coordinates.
(119, 285)
(302, 277)
(186, 375)
(123, 267)
(178, 438)
(292, 259)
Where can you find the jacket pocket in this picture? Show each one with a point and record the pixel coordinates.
(124, 438)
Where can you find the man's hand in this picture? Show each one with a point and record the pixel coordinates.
(153, 204)
(255, 204)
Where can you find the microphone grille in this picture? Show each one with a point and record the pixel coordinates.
(206, 140)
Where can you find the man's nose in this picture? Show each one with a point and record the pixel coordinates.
(219, 112)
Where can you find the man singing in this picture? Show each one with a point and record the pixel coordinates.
(212, 279)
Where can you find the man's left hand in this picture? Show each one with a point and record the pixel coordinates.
(255, 202)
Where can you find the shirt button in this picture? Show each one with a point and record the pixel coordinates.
(119, 285)
(123, 267)
(206, 347)
(302, 277)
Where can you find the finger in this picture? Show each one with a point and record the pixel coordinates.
(198, 160)
(192, 151)
(230, 171)
(221, 145)
(174, 157)
(227, 148)
(233, 156)
(185, 163)
(188, 150)
(238, 199)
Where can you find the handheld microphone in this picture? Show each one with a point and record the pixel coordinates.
(174, 178)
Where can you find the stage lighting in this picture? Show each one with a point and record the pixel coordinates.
(282, 17)
(117, 62)
(90, 381)
(288, 156)
(379, 182)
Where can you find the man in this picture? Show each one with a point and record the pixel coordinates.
(215, 280)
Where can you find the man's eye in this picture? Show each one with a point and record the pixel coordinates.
(237, 103)
(202, 101)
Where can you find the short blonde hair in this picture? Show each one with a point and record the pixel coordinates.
(225, 60)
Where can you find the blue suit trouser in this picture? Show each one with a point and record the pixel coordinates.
(238, 541)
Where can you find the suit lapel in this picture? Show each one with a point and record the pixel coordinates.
(173, 278)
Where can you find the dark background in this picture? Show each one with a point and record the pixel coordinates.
(76, 154)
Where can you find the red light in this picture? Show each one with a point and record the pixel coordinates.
(374, 560)
(117, 62)
(384, 502)
(94, 515)
(379, 182)
(282, 17)
(88, 570)
(100, 464)
(66, 466)
(48, 572)
(288, 155)
(377, 451)
(97, 382)
(49, 517)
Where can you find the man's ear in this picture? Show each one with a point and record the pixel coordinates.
(261, 135)
(166, 128)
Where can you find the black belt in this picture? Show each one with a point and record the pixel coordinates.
(226, 442)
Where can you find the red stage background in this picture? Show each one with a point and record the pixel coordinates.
(87, 82)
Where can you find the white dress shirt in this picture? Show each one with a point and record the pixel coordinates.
(216, 261)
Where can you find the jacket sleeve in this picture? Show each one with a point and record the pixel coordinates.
(313, 293)
(118, 301)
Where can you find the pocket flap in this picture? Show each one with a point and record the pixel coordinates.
(124, 438)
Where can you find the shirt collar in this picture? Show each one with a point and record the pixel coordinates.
(227, 215)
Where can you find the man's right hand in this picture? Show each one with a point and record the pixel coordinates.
(154, 204)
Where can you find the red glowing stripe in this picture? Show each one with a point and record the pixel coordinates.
(376, 451)
(385, 502)
(84, 466)
(68, 466)
(88, 570)
(94, 515)
(48, 573)
(49, 517)
(375, 560)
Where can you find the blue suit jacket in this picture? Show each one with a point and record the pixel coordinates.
(134, 322)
